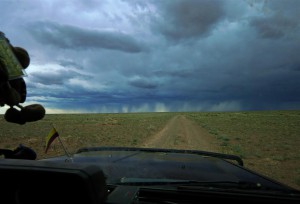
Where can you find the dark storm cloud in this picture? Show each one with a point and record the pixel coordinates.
(279, 19)
(72, 37)
(48, 78)
(143, 83)
(175, 73)
(66, 63)
(274, 27)
(202, 55)
(188, 19)
(57, 77)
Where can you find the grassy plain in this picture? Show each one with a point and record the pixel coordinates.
(268, 141)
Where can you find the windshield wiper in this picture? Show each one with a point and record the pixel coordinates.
(248, 186)
(150, 181)
(212, 185)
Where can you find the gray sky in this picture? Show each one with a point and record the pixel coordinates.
(167, 55)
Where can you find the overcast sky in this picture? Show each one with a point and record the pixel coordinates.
(116, 56)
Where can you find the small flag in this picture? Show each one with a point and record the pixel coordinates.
(50, 138)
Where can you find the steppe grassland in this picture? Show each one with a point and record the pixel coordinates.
(268, 141)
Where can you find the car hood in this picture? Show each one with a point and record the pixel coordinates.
(121, 164)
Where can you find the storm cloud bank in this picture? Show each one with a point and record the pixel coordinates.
(173, 55)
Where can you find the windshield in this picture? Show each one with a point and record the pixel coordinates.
(206, 75)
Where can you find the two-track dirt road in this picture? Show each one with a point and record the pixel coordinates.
(182, 133)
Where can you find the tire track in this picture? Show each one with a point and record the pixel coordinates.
(182, 133)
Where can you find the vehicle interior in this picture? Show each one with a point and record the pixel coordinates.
(81, 179)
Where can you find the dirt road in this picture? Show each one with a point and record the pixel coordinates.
(182, 133)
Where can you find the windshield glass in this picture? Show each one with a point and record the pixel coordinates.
(207, 75)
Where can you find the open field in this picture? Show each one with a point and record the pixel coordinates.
(267, 141)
